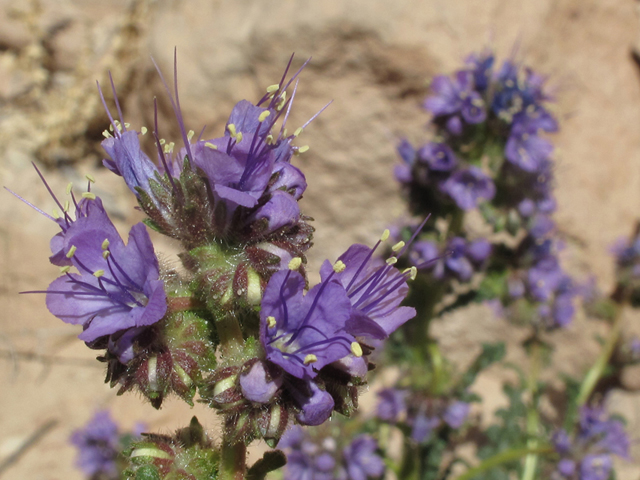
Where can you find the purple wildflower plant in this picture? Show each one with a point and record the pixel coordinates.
(588, 453)
(317, 456)
(467, 187)
(98, 445)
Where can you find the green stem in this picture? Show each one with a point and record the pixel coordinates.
(595, 373)
(533, 419)
(233, 458)
(502, 457)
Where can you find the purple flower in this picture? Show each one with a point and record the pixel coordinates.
(525, 149)
(566, 467)
(315, 403)
(595, 467)
(361, 459)
(456, 414)
(545, 278)
(259, 384)
(375, 289)
(117, 286)
(455, 100)
(438, 157)
(423, 426)
(391, 404)
(481, 66)
(468, 186)
(309, 458)
(98, 446)
(127, 158)
(303, 333)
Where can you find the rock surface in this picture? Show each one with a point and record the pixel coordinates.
(373, 59)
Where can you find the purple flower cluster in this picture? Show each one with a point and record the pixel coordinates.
(436, 167)
(312, 458)
(627, 257)
(587, 455)
(458, 259)
(542, 294)
(99, 444)
(489, 118)
(423, 415)
(357, 301)
(252, 188)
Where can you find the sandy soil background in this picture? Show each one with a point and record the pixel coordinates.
(373, 58)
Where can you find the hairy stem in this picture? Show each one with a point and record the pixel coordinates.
(233, 459)
(533, 420)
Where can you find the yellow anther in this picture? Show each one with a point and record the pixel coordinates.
(271, 321)
(398, 246)
(239, 137)
(273, 88)
(111, 127)
(392, 261)
(162, 141)
(69, 187)
(210, 145)
(168, 148)
(385, 235)
(105, 244)
(65, 269)
(105, 254)
(56, 213)
(297, 132)
(269, 139)
(71, 251)
(90, 178)
(414, 273)
(311, 358)
(284, 132)
(339, 266)
(98, 273)
(190, 135)
(303, 149)
(66, 205)
(356, 349)
(89, 195)
(263, 116)
(106, 134)
(295, 263)
(127, 125)
(232, 129)
(143, 130)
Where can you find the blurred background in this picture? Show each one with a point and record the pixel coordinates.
(373, 58)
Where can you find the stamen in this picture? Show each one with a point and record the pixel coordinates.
(56, 213)
(143, 130)
(65, 269)
(210, 145)
(398, 246)
(232, 129)
(71, 251)
(273, 88)
(90, 178)
(69, 187)
(106, 244)
(271, 321)
(339, 266)
(263, 116)
(162, 141)
(127, 125)
(295, 263)
(392, 260)
(105, 254)
(310, 358)
(98, 273)
(356, 349)
(89, 195)
(238, 137)
(190, 135)
(106, 134)
(269, 139)
(298, 131)
(385, 235)
(302, 149)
